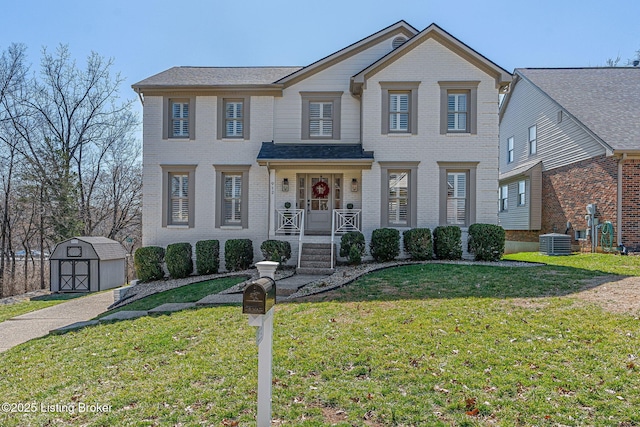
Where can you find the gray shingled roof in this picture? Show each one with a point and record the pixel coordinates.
(216, 76)
(271, 151)
(606, 100)
(105, 248)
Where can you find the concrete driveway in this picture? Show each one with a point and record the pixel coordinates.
(38, 323)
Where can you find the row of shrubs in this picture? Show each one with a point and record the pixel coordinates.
(486, 242)
(238, 255)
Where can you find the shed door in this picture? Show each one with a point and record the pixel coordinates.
(74, 275)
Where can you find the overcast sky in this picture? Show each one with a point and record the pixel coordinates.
(145, 37)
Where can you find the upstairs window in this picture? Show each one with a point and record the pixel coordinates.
(179, 118)
(233, 119)
(510, 150)
(321, 115)
(320, 119)
(457, 112)
(458, 106)
(399, 112)
(399, 107)
(533, 140)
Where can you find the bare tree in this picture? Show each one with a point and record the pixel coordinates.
(12, 78)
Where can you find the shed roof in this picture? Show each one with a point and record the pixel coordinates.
(105, 248)
(604, 99)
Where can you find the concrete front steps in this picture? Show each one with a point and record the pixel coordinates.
(316, 259)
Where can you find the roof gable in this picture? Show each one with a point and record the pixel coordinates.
(399, 28)
(433, 31)
(603, 100)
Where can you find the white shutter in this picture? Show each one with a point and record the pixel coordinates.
(321, 119)
(232, 199)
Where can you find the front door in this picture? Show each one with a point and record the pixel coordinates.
(74, 275)
(319, 195)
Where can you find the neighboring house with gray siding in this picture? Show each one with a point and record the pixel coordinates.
(570, 137)
(399, 129)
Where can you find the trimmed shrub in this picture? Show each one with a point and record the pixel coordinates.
(238, 254)
(178, 259)
(486, 242)
(207, 256)
(418, 243)
(385, 244)
(352, 246)
(148, 263)
(276, 250)
(447, 242)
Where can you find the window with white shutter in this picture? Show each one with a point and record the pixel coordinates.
(456, 198)
(398, 198)
(234, 119)
(232, 196)
(179, 198)
(399, 112)
(232, 209)
(457, 109)
(180, 119)
(320, 115)
(178, 195)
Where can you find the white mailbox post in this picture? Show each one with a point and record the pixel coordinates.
(258, 301)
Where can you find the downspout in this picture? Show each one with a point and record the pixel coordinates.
(619, 201)
(269, 213)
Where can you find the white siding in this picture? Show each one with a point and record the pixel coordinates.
(288, 109)
(559, 144)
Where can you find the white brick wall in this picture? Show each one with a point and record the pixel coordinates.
(428, 63)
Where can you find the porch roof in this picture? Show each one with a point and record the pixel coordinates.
(271, 152)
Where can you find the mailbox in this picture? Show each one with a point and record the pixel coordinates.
(259, 296)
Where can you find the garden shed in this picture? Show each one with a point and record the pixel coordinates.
(87, 264)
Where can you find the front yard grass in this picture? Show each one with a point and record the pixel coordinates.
(428, 345)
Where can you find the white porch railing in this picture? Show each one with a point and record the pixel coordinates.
(291, 221)
(343, 221)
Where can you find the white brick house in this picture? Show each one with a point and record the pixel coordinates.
(399, 129)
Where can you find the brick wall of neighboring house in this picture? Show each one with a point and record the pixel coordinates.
(567, 190)
(631, 204)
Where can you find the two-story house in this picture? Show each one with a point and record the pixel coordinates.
(570, 137)
(399, 129)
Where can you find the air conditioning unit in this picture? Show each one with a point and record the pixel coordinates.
(555, 244)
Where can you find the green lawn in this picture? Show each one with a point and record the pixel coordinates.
(422, 345)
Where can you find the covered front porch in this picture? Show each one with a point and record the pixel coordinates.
(315, 195)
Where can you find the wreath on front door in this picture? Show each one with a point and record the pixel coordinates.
(320, 190)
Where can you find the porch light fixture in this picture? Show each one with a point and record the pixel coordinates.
(354, 185)
(285, 185)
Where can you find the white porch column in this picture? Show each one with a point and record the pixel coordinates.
(272, 204)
